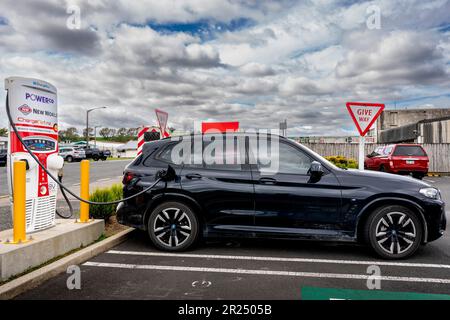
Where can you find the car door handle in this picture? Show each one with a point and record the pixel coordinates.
(193, 176)
(267, 181)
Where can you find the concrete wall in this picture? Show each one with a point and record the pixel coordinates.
(435, 132)
(396, 118)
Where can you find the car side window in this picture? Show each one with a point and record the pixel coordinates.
(387, 151)
(224, 156)
(284, 159)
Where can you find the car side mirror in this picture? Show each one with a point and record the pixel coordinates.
(316, 170)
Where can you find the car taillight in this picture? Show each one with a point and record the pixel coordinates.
(127, 178)
(391, 163)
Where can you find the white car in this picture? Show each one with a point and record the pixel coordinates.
(71, 154)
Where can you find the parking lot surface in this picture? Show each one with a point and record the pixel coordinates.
(251, 269)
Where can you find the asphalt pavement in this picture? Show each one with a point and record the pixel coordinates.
(251, 269)
(100, 170)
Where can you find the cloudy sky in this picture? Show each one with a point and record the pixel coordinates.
(257, 62)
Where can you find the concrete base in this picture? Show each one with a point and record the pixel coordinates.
(46, 245)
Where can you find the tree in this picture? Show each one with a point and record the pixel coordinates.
(132, 132)
(112, 132)
(122, 132)
(71, 134)
(91, 132)
(3, 132)
(105, 132)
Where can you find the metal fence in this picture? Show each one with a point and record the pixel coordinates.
(439, 153)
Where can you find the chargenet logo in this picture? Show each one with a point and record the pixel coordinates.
(36, 98)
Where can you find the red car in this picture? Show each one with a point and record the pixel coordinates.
(399, 158)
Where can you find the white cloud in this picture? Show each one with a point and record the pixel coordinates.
(297, 61)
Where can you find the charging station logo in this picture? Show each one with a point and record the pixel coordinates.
(42, 99)
(25, 109)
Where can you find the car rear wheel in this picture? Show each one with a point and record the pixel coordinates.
(382, 168)
(69, 159)
(393, 232)
(173, 226)
(418, 175)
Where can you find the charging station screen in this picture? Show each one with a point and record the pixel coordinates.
(40, 144)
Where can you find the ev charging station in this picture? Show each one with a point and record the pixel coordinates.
(33, 105)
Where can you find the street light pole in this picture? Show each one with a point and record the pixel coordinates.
(87, 123)
(95, 136)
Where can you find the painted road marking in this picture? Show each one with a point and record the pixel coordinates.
(265, 272)
(280, 259)
(103, 180)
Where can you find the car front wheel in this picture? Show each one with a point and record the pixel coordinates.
(173, 226)
(393, 232)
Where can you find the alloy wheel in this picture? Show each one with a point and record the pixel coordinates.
(172, 227)
(395, 233)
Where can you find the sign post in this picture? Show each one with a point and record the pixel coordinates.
(364, 116)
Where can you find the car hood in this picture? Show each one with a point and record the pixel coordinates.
(389, 178)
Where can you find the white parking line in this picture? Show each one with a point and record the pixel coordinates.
(280, 259)
(265, 272)
(428, 180)
(103, 180)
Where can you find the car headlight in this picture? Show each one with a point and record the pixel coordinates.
(431, 193)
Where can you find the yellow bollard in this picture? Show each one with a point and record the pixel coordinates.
(19, 198)
(84, 191)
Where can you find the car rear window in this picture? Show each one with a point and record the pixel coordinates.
(409, 151)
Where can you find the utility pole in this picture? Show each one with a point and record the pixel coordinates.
(87, 123)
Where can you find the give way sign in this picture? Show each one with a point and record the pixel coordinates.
(364, 114)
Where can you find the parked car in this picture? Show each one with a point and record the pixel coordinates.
(399, 158)
(95, 153)
(71, 154)
(306, 198)
(3, 157)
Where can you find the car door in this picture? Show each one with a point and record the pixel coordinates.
(63, 152)
(287, 200)
(223, 188)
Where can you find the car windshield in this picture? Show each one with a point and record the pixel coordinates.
(409, 151)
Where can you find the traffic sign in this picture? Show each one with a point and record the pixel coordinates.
(162, 117)
(364, 114)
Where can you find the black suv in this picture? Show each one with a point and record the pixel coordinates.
(3, 155)
(303, 197)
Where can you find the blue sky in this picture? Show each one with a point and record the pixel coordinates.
(255, 62)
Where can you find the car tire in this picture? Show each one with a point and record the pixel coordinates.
(95, 158)
(418, 175)
(382, 168)
(173, 226)
(69, 159)
(393, 232)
